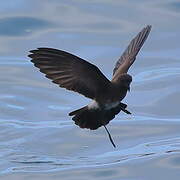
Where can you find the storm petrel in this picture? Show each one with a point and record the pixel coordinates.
(76, 74)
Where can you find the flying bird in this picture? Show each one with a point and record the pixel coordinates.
(76, 74)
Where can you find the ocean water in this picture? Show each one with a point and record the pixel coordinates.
(38, 140)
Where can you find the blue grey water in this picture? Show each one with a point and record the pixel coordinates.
(38, 140)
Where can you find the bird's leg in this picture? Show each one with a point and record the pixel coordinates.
(126, 111)
(123, 108)
(110, 138)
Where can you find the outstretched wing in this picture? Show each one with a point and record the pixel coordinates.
(70, 71)
(129, 55)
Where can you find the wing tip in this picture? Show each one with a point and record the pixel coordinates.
(148, 27)
(41, 49)
(34, 52)
(143, 33)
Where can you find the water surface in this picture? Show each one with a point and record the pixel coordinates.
(39, 141)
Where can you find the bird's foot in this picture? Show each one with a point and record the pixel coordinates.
(123, 108)
(126, 111)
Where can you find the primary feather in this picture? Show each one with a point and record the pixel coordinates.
(129, 55)
(70, 71)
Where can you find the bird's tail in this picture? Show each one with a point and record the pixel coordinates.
(77, 111)
(86, 118)
(95, 118)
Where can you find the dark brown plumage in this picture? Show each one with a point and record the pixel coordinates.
(76, 74)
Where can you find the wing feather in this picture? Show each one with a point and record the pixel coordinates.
(70, 71)
(129, 55)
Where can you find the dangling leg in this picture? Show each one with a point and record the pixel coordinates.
(123, 108)
(110, 138)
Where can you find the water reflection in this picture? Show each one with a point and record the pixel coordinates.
(175, 6)
(21, 26)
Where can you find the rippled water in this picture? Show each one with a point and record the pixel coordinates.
(38, 140)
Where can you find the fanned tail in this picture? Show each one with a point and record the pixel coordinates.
(77, 111)
(86, 118)
(95, 118)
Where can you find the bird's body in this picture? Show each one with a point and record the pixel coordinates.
(103, 109)
(75, 74)
(106, 106)
(94, 116)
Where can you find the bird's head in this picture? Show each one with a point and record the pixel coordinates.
(124, 81)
